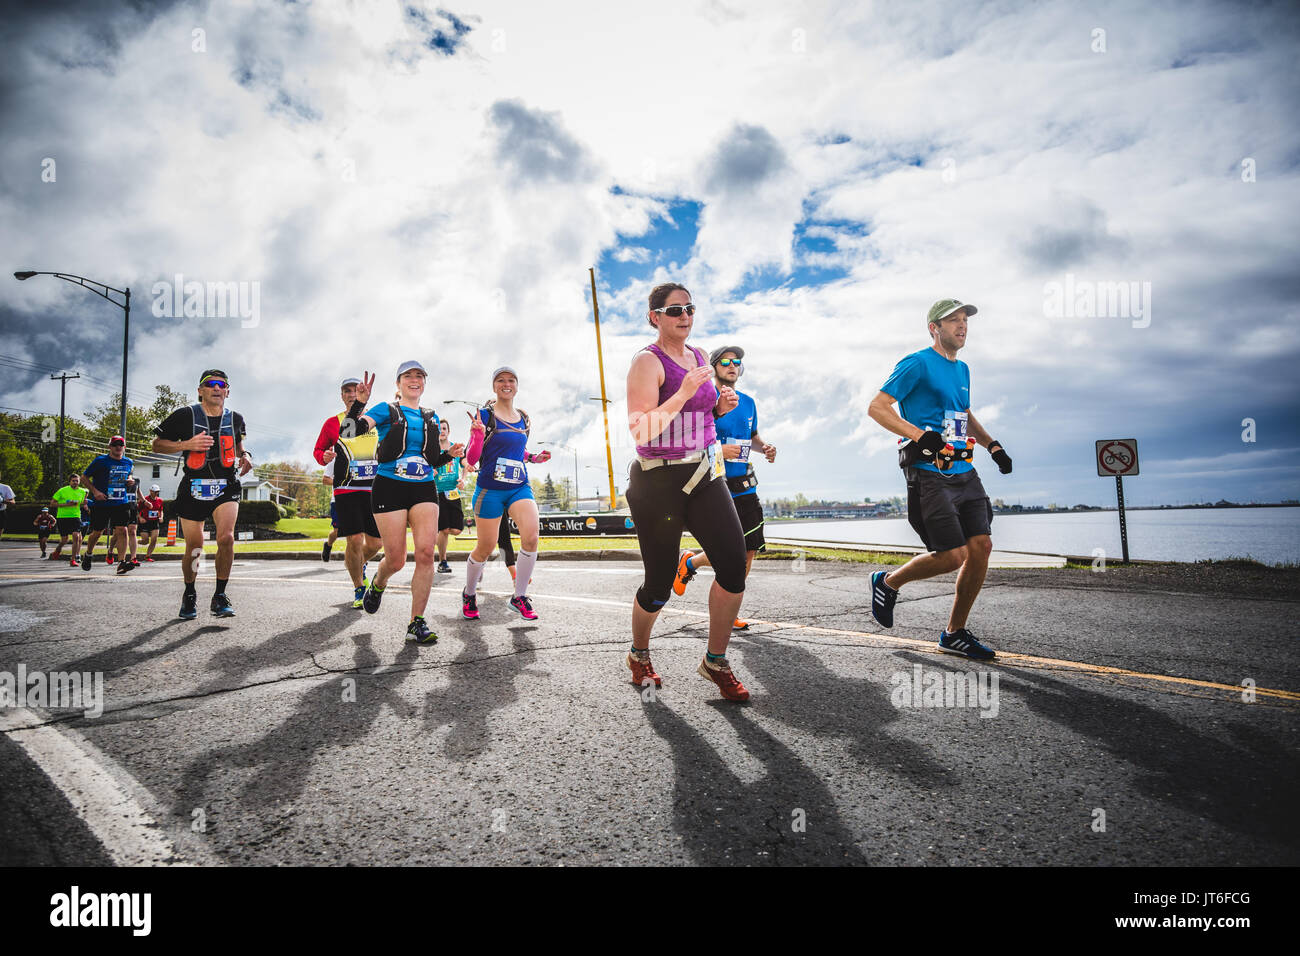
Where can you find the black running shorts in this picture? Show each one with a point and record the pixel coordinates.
(393, 494)
(947, 511)
(69, 525)
(101, 516)
(147, 527)
(451, 516)
(190, 508)
(750, 511)
(353, 515)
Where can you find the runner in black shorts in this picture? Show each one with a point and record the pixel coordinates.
(105, 480)
(211, 439)
(45, 524)
(676, 482)
(451, 513)
(946, 503)
(352, 463)
(404, 492)
(738, 432)
(151, 513)
(67, 503)
(127, 559)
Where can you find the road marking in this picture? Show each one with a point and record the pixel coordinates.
(79, 769)
(929, 646)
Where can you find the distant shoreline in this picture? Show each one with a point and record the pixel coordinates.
(1058, 511)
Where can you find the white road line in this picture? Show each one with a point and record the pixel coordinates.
(93, 785)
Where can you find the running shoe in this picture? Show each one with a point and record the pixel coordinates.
(739, 625)
(444, 568)
(359, 596)
(370, 600)
(189, 607)
(721, 675)
(684, 573)
(638, 663)
(418, 632)
(524, 607)
(469, 606)
(73, 562)
(85, 562)
(150, 560)
(882, 600)
(124, 567)
(221, 606)
(108, 559)
(325, 552)
(963, 642)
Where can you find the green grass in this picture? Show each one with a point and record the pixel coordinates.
(788, 553)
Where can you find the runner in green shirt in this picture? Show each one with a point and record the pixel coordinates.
(67, 502)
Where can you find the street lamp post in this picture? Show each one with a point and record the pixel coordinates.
(125, 306)
(575, 463)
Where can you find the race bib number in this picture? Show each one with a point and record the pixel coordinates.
(509, 471)
(207, 489)
(153, 515)
(744, 444)
(117, 494)
(719, 468)
(412, 468)
(453, 495)
(364, 469)
(954, 427)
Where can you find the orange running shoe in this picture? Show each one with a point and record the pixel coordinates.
(639, 663)
(739, 625)
(684, 574)
(721, 674)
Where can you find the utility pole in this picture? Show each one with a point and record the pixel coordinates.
(604, 400)
(63, 395)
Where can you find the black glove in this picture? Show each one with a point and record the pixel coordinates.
(931, 444)
(1000, 457)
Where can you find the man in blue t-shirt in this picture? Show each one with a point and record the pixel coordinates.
(105, 479)
(946, 504)
(738, 432)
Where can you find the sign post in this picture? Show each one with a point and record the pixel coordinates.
(1118, 457)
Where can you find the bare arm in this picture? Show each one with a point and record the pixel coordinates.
(882, 413)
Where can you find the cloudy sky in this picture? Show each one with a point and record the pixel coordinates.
(403, 180)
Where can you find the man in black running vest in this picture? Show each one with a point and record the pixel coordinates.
(210, 439)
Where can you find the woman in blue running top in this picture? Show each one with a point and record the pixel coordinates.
(498, 445)
(404, 491)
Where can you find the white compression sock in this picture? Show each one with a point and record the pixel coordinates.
(473, 571)
(527, 560)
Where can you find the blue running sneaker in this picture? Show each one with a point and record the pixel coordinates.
(882, 600)
(963, 642)
(418, 632)
(359, 595)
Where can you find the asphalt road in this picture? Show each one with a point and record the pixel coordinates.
(304, 732)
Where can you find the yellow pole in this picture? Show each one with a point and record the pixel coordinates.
(604, 402)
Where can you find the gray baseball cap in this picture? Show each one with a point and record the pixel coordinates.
(352, 380)
(408, 366)
(718, 353)
(505, 368)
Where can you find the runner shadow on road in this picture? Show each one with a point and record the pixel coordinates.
(479, 684)
(323, 721)
(123, 656)
(786, 818)
(1251, 793)
(803, 693)
(229, 667)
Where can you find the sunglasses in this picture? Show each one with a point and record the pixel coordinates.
(728, 362)
(675, 311)
(215, 383)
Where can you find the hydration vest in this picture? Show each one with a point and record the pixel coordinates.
(393, 445)
(358, 448)
(223, 448)
(491, 426)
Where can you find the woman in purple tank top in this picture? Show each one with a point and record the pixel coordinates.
(675, 484)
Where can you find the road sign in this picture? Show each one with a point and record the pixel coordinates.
(1117, 458)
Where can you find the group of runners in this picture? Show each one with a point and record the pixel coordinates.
(393, 468)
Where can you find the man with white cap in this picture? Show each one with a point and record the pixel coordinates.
(355, 467)
(946, 504)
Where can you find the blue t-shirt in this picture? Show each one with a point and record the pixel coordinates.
(406, 466)
(110, 477)
(933, 393)
(737, 427)
(502, 463)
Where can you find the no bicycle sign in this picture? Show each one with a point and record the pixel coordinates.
(1117, 457)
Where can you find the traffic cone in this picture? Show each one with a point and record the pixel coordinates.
(171, 532)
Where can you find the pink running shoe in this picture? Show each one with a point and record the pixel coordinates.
(524, 607)
(469, 606)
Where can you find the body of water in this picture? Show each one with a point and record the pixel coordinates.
(1271, 535)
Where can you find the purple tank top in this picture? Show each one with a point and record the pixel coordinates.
(691, 430)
